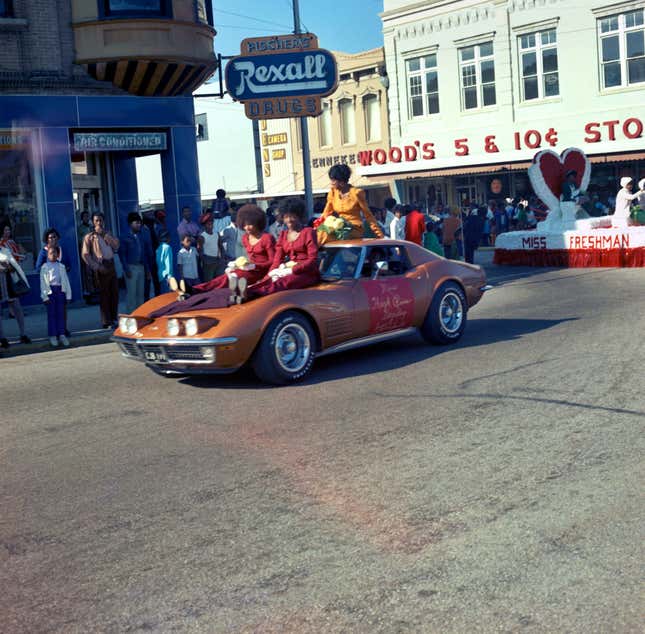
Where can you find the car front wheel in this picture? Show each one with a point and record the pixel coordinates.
(286, 351)
(446, 318)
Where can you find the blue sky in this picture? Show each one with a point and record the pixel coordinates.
(348, 25)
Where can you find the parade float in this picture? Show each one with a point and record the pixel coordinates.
(562, 239)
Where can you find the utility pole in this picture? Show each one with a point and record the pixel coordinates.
(304, 131)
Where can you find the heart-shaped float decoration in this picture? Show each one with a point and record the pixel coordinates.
(548, 172)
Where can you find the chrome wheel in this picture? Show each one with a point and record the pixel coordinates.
(292, 347)
(451, 312)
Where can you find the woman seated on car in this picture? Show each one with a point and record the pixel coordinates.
(244, 271)
(350, 205)
(295, 264)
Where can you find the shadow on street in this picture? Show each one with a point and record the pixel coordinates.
(390, 355)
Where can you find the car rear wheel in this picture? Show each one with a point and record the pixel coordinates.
(446, 318)
(286, 351)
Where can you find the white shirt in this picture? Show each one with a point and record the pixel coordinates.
(623, 203)
(187, 259)
(52, 273)
(219, 224)
(397, 228)
(211, 244)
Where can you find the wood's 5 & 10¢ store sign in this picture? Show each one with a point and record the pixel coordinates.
(281, 76)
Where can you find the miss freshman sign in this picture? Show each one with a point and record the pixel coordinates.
(281, 76)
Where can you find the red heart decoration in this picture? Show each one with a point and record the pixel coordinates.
(548, 170)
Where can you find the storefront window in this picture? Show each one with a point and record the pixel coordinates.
(18, 205)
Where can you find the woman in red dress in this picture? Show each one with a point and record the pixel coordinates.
(295, 264)
(260, 247)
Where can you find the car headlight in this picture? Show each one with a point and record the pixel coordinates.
(123, 324)
(173, 327)
(191, 326)
(131, 325)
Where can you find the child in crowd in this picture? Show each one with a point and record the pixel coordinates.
(187, 261)
(164, 260)
(430, 240)
(55, 292)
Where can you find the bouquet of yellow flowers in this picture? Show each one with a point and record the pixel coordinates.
(336, 226)
(240, 264)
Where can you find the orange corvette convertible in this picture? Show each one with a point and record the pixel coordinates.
(370, 291)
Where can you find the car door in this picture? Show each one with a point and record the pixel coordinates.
(393, 299)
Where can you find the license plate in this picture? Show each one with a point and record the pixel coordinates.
(158, 356)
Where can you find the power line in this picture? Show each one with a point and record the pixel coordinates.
(241, 15)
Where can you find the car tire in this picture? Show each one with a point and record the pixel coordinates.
(446, 318)
(285, 353)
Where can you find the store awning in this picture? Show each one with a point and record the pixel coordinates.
(459, 171)
(615, 158)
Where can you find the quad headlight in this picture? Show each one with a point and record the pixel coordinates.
(192, 327)
(128, 325)
(173, 327)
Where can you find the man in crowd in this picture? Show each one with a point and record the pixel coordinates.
(187, 226)
(415, 226)
(136, 259)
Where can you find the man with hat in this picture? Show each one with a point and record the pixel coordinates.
(624, 199)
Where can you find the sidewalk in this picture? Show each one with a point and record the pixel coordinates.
(84, 322)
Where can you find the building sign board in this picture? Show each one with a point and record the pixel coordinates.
(12, 139)
(118, 141)
(281, 76)
(491, 146)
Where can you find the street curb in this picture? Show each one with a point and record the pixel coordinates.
(77, 340)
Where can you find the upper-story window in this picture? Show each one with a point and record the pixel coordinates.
(622, 49)
(136, 8)
(423, 87)
(539, 63)
(347, 121)
(372, 111)
(324, 125)
(477, 67)
(6, 10)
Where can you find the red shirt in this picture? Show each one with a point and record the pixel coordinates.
(261, 253)
(415, 226)
(303, 250)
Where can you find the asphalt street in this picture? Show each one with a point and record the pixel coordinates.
(491, 486)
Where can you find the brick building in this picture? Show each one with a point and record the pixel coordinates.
(85, 87)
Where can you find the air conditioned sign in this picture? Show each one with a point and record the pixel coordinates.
(281, 76)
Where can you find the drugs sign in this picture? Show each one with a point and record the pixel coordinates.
(281, 76)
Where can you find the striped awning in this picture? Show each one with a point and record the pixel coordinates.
(148, 78)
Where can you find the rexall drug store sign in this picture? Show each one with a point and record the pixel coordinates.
(281, 76)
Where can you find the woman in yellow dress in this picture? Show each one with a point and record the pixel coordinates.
(347, 203)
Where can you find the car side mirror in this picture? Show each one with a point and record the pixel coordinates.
(380, 266)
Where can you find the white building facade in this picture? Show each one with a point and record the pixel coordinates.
(478, 87)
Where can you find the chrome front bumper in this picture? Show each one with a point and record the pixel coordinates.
(172, 352)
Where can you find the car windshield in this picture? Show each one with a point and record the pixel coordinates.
(339, 263)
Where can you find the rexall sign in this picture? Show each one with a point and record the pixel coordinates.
(281, 76)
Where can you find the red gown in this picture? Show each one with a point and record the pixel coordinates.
(304, 251)
(261, 254)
